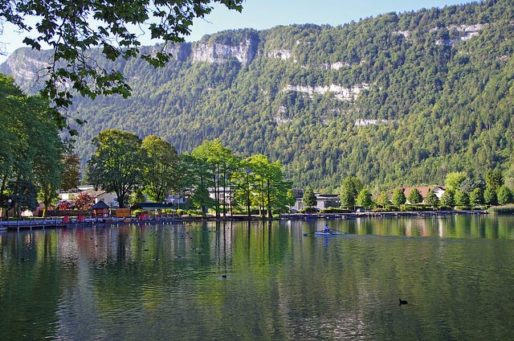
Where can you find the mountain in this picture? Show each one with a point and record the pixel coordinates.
(396, 99)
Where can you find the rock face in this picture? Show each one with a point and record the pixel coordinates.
(340, 92)
(213, 52)
(24, 67)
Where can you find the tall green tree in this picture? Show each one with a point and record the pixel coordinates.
(461, 198)
(30, 148)
(415, 197)
(382, 199)
(117, 164)
(447, 200)
(364, 198)
(244, 181)
(271, 187)
(476, 197)
(160, 171)
(490, 196)
(432, 199)
(454, 180)
(398, 197)
(350, 188)
(494, 179)
(504, 195)
(309, 198)
(70, 172)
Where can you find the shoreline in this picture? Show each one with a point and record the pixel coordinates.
(91, 222)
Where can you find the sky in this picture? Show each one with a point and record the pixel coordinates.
(263, 14)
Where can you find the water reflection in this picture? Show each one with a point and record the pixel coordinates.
(261, 280)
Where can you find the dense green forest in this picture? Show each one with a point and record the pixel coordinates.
(399, 99)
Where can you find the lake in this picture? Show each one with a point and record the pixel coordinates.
(271, 281)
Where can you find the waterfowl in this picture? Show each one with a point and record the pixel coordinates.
(402, 302)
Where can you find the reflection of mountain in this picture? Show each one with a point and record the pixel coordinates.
(150, 282)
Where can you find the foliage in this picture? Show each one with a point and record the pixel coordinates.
(476, 197)
(84, 201)
(447, 200)
(490, 196)
(161, 169)
(382, 199)
(71, 171)
(66, 27)
(30, 149)
(309, 198)
(432, 199)
(117, 164)
(364, 198)
(446, 106)
(504, 195)
(494, 179)
(454, 180)
(398, 197)
(461, 198)
(415, 197)
(350, 188)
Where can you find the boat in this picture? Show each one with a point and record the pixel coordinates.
(330, 233)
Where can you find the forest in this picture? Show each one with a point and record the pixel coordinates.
(398, 99)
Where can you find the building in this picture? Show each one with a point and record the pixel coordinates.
(323, 201)
(109, 198)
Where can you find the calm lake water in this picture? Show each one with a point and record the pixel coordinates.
(166, 282)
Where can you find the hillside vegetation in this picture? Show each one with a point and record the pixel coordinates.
(395, 100)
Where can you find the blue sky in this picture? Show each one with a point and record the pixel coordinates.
(262, 14)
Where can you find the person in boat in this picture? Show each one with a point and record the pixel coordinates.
(326, 229)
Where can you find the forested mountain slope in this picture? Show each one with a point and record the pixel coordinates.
(396, 99)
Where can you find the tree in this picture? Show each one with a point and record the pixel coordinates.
(476, 197)
(415, 197)
(461, 198)
(447, 200)
(244, 182)
(70, 172)
(398, 197)
(270, 187)
(30, 148)
(432, 199)
(117, 164)
(454, 179)
(504, 195)
(490, 196)
(364, 198)
(160, 172)
(382, 199)
(220, 163)
(66, 27)
(309, 198)
(494, 179)
(350, 188)
(84, 201)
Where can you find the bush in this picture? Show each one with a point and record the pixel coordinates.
(335, 210)
(415, 208)
(509, 209)
(309, 210)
